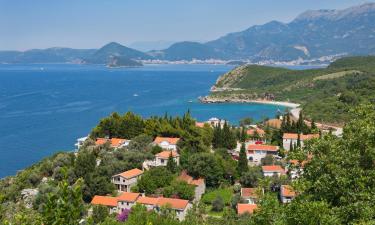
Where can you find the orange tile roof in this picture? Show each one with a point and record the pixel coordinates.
(302, 136)
(130, 173)
(104, 200)
(189, 179)
(166, 154)
(147, 200)
(246, 208)
(274, 123)
(258, 130)
(172, 141)
(115, 142)
(199, 124)
(249, 192)
(173, 203)
(270, 148)
(128, 197)
(287, 191)
(272, 168)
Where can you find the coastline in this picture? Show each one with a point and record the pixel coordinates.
(209, 100)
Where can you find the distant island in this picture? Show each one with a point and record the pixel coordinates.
(326, 95)
(314, 37)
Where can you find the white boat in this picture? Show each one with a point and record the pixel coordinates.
(135, 95)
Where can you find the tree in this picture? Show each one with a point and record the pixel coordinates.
(252, 177)
(171, 164)
(242, 161)
(218, 204)
(246, 121)
(208, 166)
(153, 179)
(84, 164)
(243, 135)
(100, 213)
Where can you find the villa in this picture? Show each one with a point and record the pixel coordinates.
(292, 139)
(249, 195)
(161, 159)
(256, 134)
(269, 171)
(110, 202)
(126, 180)
(287, 193)
(200, 185)
(246, 208)
(214, 122)
(114, 142)
(255, 153)
(80, 142)
(167, 142)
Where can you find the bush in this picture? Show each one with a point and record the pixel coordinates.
(218, 204)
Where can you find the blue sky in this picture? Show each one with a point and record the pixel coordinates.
(26, 24)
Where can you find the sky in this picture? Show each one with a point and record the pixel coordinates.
(28, 24)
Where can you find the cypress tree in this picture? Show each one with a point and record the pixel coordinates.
(299, 140)
(242, 166)
(291, 146)
(171, 164)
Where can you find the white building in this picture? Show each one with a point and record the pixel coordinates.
(255, 153)
(126, 180)
(287, 193)
(126, 201)
(214, 122)
(166, 142)
(80, 142)
(199, 184)
(249, 195)
(161, 159)
(292, 139)
(274, 170)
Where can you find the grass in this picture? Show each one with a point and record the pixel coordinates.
(337, 74)
(225, 193)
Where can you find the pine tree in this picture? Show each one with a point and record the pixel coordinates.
(243, 135)
(171, 164)
(299, 140)
(291, 146)
(242, 166)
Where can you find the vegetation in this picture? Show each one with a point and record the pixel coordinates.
(344, 84)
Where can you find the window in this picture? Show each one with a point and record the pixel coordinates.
(162, 160)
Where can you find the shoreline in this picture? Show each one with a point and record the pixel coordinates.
(209, 100)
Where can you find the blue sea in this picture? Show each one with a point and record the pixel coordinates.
(45, 108)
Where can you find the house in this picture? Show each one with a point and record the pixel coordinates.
(80, 142)
(292, 139)
(126, 200)
(246, 208)
(114, 142)
(200, 184)
(110, 202)
(256, 134)
(161, 159)
(167, 142)
(255, 153)
(199, 124)
(180, 206)
(249, 195)
(275, 123)
(126, 180)
(269, 171)
(214, 122)
(287, 193)
(295, 168)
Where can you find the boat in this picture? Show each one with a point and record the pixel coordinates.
(190, 101)
(135, 95)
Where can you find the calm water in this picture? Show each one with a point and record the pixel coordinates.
(45, 108)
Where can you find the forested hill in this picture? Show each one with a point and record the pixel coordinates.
(325, 94)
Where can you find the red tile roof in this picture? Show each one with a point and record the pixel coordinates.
(251, 132)
(249, 192)
(270, 148)
(128, 197)
(199, 124)
(246, 208)
(147, 200)
(173, 203)
(287, 191)
(171, 141)
(302, 136)
(189, 179)
(273, 168)
(115, 142)
(104, 200)
(166, 154)
(130, 173)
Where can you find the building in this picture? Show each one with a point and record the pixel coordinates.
(292, 139)
(246, 208)
(214, 122)
(249, 195)
(80, 142)
(180, 206)
(274, 170)
(287, 193)
(255, 153)
(295, 168)
(126, 200)
(200, 184)
(200, 124)
(161, 159)
(167, 142)
(114, 142)
(110, 202)
(126, 180)
(256, 134)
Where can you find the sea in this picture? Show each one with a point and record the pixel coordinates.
(44, 108)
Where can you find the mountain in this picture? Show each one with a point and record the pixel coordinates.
(105, 53)
(146, 46)
(347, 82)
(49, 55)
(312, 34)
(119, 61)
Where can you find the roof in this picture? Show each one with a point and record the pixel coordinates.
(115, 142)
(130, 173)
(249, 192)
(104, 200)
(270, 148)
(273, 168)
(147, 200)
(166, 154)
(199, 124)
(128, 197)
(287, 191)
(302, 136)
(246, 208)
(172, 141)
(189, 179)
(276, 123)
(173, 203)
(258, 130)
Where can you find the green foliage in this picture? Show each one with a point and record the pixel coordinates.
(224, 137)
(99, 213)
(179, 189)
(246, 121)
(207, 166)
(218, 204)
(154, 179)
(252, 177)
(242, 161)
(171, 164)
(140, 143)
(224, 193)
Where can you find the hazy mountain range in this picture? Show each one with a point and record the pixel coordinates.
(311, 35)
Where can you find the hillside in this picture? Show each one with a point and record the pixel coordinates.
(326, 94)
(118, 61)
